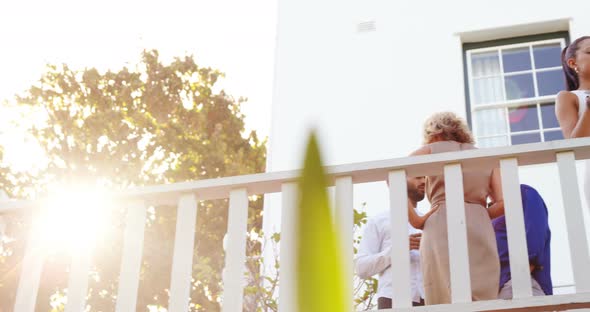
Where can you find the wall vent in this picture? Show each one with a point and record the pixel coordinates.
(367, 26)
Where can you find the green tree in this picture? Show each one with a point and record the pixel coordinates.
(156, 123)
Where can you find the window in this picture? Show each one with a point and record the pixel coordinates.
(512, 85)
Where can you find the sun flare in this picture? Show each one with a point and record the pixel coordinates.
(73, 218)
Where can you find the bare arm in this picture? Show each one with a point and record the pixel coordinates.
(497, 207)
(566, 110)
(416, 220)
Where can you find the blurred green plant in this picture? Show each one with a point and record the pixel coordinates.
(263, 297)
(320, 272)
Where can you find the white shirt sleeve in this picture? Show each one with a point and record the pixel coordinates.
(414, 254)
(370, 259)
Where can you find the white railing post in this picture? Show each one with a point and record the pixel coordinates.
(517, 244)
(457, 234)
(32, 266)
(78, 281)
(344, 217)
(235, 253)
(182, 261)
(574, 218)
(400, 244)
(131, 259)
(288, 246)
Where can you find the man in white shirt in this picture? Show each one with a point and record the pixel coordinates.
(374, 254)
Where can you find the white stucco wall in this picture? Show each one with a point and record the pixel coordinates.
(367, 93)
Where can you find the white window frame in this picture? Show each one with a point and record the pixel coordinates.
(537, 100)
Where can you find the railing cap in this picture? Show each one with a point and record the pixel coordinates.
(370, 171)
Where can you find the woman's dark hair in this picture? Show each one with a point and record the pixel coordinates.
(572, 82)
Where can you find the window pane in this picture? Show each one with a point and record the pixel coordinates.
(550, 82)
(485, 64)
(553, 135)
(490, 122)
(487, 90)
(519, 86)
(526, 138)
(492, 142)
(548, 116)
(523, 118)
(547, 55)
(516, 60)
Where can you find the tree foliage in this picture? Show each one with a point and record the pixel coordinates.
(152, 123)
(155, 123)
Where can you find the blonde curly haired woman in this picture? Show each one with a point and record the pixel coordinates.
(446, 132)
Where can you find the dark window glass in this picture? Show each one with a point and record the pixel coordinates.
(519, 86)
(516, 60)
(553, 135)
(547, 55)
(526, 138)
(548, 116)
(523, 118)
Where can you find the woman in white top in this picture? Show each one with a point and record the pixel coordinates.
(573, 106)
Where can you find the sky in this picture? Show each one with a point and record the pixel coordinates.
(234, 36)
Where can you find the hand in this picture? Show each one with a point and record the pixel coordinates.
(588, 101)
(496, 209)
(418, 221)
(415, 241)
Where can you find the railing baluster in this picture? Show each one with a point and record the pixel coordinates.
(344, 217)
(576, 232)
(182, 261)
(400, 245)
(235, 253)
(517, 244)
(288, 246)
(32, 266)
(131, 259)
(78, 281)
(457, 234)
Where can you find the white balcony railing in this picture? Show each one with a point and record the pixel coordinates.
(237, 189)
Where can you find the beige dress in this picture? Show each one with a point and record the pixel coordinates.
(434, 250)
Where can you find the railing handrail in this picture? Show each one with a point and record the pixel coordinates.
(361, 172)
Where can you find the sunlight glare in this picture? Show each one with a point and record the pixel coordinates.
(74, 218)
